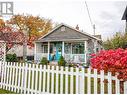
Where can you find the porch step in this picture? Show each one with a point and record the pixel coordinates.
(53, 62)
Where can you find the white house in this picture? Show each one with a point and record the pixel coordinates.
(75, 46)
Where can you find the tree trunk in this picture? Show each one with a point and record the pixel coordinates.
(25, 47)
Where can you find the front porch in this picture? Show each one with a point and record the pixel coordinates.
(72, 51)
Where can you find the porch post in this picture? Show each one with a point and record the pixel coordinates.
(95, 45)
(71, 50)
(63, 48)
(48, 49)
(35, 51)
(85, 51)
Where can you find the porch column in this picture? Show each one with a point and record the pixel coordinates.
(35, 51)
(95, 46)
(85, 50)
(63, 48)
(48, 49)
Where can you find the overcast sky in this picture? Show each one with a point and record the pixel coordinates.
(106, 15)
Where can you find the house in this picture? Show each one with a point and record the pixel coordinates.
(124, 17)
(75, 46)
(18, 50)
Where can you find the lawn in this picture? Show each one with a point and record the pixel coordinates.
(6, 92)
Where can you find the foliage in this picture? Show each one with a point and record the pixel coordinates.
(11, 36)
(44, 61)
(114, 61)
(11, 58)
(33, 26)
(118, 41)
(62, 61)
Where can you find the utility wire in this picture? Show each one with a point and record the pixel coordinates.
(93, 25)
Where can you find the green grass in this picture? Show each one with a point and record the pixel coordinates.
(2, 91)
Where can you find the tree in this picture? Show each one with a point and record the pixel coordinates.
(32, 26)
(44, 61)
(62, 61)
(11, 36)
(118, 41)
(114, 61)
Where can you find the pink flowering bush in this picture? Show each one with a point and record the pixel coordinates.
(114, 61)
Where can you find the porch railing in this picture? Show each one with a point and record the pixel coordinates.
(75, 58)
(40, 55)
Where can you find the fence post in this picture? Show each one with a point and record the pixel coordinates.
(81, 82)
(125, 87)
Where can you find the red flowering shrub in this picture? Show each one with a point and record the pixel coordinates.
(114, 61)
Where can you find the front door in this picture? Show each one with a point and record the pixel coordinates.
(58, 50)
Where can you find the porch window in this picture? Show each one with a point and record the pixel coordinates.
(78, 48)
(67, 48)
(45, 48)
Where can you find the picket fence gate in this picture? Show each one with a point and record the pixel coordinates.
(33, 78)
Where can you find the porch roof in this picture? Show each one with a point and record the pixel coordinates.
(69, 34)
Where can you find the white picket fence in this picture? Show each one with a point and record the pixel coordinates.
(33, 78)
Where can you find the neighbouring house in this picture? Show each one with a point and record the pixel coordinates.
(124, 17)
(75, 46)
(18, 50)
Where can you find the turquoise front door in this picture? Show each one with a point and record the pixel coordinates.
(58, 50)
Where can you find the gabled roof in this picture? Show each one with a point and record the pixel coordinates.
(83, 33)
(125, 14)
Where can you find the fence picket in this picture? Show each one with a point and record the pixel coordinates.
(25, 79)
(117, 84)
(109, 83)
(89, 81)
(19, 78)
(40, 80)
(36, 79)
(71, 80)
(56, 80)
(29, 77)
(82, 82)
(10, 76)
(16, 76)
(7, 76)
(44, 78)
(52, 81)
(61, 80)
(102, 82)
(32, 87)
(13, 68)
(95, 81)
(66, 81)
(48, 79)
(77, 80)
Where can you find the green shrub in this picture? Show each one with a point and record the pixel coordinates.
(62, 61)
(11, 58)
(44, 61)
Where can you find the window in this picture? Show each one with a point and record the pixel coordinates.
(78, 48)
(45, 48)
(67, 48)
(63, 28)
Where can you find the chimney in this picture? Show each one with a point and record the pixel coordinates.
(77, 27)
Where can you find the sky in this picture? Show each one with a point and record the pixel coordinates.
(106, 15)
